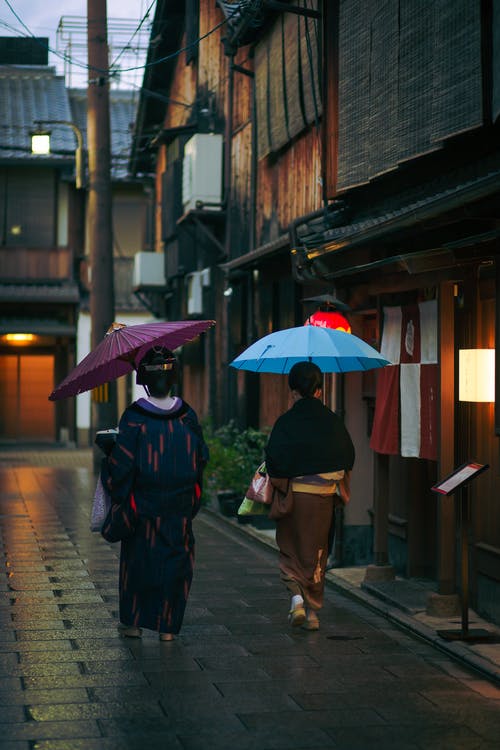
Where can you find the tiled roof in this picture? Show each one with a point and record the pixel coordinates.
(39, 326)
(67, 292)
(480, 179)
(122, 106)
(30, 93)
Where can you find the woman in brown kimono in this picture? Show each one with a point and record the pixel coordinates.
(308, 452)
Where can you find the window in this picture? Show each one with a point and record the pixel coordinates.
(28, 207)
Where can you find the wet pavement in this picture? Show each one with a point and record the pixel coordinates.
(237, 677)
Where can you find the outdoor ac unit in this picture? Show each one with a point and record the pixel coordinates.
(202, 172)
(149, 269)
(195, 282)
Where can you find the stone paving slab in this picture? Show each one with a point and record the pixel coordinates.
(403, 602)
(237, 677)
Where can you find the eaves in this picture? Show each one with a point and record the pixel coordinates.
(328, 259)
(36, 326)
(66, 293)
(253, 258)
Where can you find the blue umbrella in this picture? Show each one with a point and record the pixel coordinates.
(330, 349)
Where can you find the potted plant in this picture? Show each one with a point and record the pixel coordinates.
(235, 454)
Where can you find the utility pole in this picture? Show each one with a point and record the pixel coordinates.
(99, 209)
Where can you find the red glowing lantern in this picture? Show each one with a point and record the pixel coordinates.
(325, 319)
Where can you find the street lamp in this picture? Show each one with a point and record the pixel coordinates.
(40, 144)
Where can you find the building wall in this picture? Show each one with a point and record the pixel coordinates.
(357, 547)
(288, 185)
(62, 214)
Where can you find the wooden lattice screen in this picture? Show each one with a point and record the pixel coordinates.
(287, 80)
(409, 77)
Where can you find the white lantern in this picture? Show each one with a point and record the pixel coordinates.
(476, 375)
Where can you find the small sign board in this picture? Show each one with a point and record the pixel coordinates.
(460, 476)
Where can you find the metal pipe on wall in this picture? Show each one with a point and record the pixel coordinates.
(224, 374)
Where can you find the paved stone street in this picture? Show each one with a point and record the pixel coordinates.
(237, 677)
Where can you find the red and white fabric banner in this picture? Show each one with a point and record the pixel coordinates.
(405, 420)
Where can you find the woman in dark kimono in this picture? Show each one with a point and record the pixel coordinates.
(157, 465)
(307, 455)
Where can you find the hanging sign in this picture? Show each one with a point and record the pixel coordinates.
(460, 476)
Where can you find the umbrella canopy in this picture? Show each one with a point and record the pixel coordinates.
(330, 349)
(122, 349)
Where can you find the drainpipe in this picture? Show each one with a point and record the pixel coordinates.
(228, 144)
(253, 168)
(224, 392)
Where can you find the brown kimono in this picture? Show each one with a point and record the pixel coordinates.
(307, 439)
(303, 522)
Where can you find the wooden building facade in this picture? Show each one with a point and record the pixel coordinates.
(359, 157)
(44, 255)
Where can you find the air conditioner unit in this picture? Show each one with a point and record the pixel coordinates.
(149, 269)
(195, 282)
(202, 172)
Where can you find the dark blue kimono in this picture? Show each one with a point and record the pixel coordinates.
(158, 459)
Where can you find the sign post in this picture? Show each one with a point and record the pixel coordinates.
(458, 481)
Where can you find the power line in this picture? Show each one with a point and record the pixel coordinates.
(46, 46)
(94, 69)
(183, 49)
(127, 46)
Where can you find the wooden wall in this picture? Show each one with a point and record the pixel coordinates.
(23, 263)
(182, 93)
(288, 185)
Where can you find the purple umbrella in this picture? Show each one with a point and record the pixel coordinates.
(122, 349)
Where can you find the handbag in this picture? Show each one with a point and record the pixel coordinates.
(100, 506)
(121, 522)
(253, 508)
(122, 518)
(261, 489)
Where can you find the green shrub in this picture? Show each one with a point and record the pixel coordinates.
(234, 456)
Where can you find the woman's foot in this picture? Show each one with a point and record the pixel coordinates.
(312, 621)
(129, 631)
(166, 636)
(297, 614)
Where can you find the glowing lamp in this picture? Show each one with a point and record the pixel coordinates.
(40, 143)
(476, 375)
(19, 338)
(327, 319)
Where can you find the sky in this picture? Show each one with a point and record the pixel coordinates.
(42, 18)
